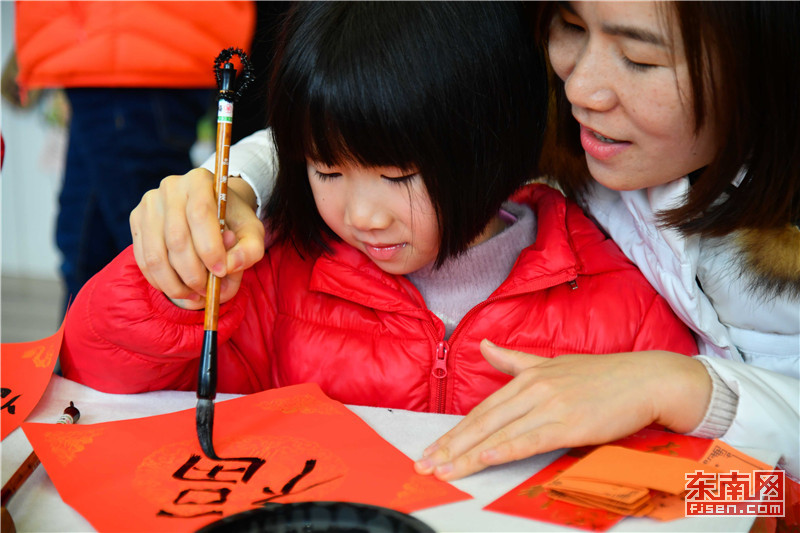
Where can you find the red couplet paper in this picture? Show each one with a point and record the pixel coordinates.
(530, 499)
(25, 370)
(283, 445)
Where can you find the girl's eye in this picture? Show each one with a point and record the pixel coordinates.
(401, 179)
(322, 176)
(640, 67)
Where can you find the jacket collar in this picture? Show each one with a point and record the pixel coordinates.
(551, 259)
(347, 273)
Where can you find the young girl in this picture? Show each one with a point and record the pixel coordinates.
(401, 133)
(687, 117)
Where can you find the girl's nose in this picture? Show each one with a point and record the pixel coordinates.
(590, 82)
(366, 212)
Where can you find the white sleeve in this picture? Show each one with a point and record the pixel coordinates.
(255, 161)
(768, 410)
(721, 409)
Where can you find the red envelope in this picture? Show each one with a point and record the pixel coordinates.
(530, 500)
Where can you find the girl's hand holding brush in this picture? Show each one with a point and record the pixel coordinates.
(176, 237)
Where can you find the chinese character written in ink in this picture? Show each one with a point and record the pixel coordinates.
(9, 405)
(216, 496)
(212, 474)
(230, 471)
(287, 488)
(227, 472)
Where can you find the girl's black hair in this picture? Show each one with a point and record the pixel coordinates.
(752, 100)
(454, 90)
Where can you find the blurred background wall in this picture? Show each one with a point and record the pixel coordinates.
(30, 288)
(30, 182)
(31, 177)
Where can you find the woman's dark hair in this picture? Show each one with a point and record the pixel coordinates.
(454, 90)
(752, 48)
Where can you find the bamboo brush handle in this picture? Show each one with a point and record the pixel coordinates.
(224, 127)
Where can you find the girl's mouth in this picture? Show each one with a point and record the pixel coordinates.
(383, 252)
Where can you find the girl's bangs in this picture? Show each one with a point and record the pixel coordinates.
(343, 126)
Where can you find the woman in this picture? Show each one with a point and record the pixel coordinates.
(695, 174)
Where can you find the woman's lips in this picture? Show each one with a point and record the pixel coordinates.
(383, 252)
(601, 147)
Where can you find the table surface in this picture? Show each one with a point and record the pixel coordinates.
(37, 506)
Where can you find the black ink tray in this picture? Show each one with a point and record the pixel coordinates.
(318, 517)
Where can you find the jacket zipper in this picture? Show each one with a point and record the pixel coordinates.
(439, 373)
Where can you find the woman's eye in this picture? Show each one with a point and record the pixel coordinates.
(633, 65)
(571, 27)
(568, 21)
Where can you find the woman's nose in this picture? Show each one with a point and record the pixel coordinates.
(590, 83)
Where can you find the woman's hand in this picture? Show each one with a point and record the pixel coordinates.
(568, 401)
(176, 237)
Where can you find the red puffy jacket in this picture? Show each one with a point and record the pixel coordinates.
(365, 336)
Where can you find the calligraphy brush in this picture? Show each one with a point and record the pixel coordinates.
(70, 416)
(207, 378)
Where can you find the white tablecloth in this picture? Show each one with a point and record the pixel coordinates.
(37, 507)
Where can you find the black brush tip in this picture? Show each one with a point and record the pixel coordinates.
(205, 427)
